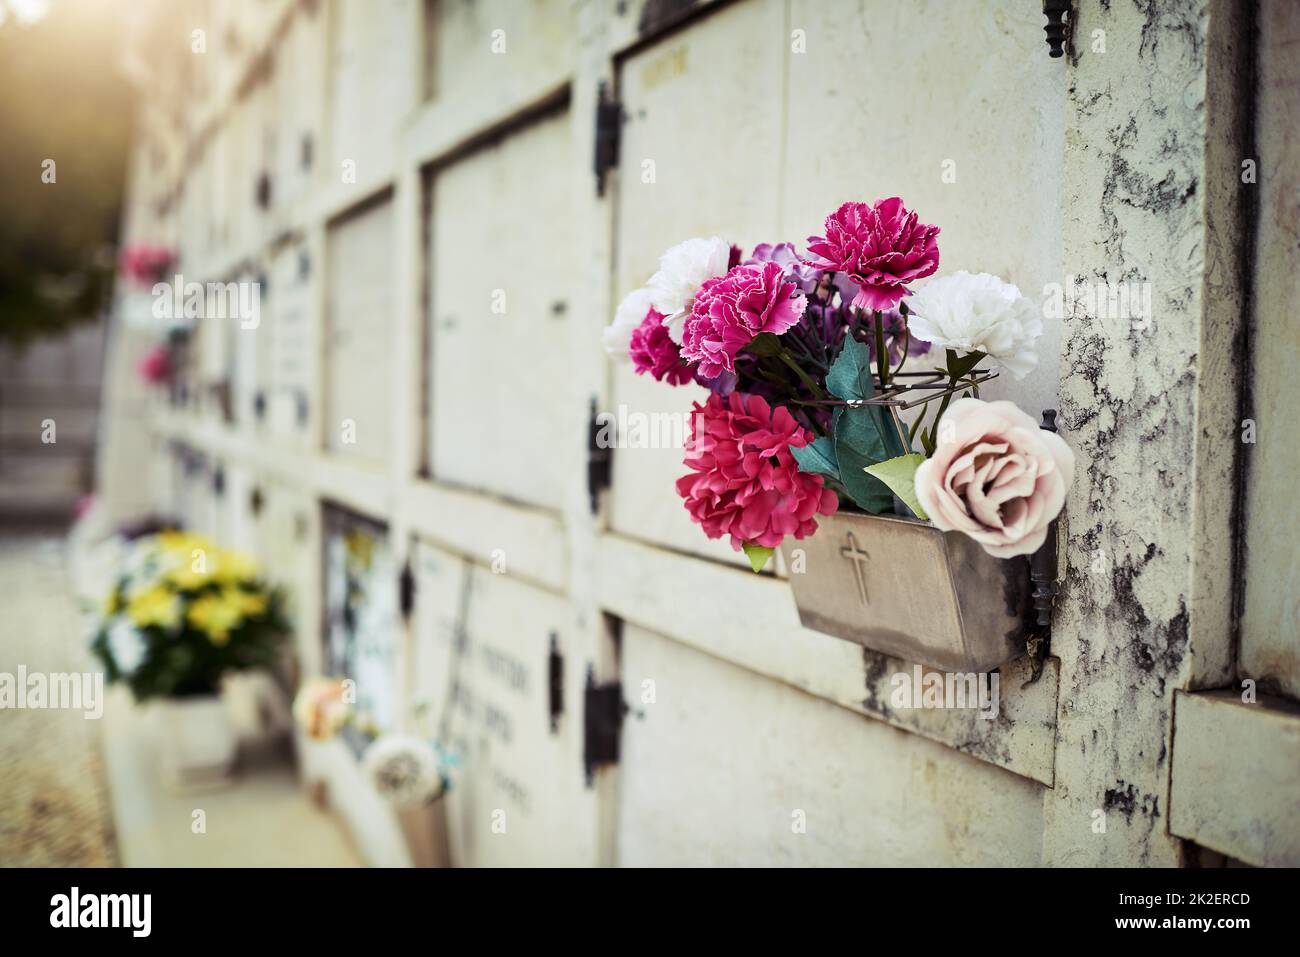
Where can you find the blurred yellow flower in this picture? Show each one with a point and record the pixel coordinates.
(234, 567)
(182, 543)
(185, 559)
(185, 576)
(251, 603)
(216, 614)
(113, 603)
(156, 605)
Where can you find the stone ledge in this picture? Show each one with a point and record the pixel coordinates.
(1235, 784)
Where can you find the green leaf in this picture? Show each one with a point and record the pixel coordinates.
(849, 377)
(758, 555)
(817, 457)
(764, 344)
(858, 444)
(959, 366)
(900, 475)
(863, 435)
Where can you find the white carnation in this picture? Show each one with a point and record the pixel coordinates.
(978, 313)
(630, 313)
(126, 646)
(403, 769)
(682, 270)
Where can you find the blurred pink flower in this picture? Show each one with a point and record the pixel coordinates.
(729, 311)
(880, 246)
(744, 482)
(653, 351)
(155, 366)
(144, 264)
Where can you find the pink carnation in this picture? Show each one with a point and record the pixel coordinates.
(146, 265)
(653, 351)
(744, 481)
(155, 366)
(881, 247)
(729, 311)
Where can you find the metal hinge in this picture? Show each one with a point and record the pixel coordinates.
(406, 591)
(1059, 14)
(602, 722)
(609, 128)
(600, 457)
(555, 672)
(262, 191)
(1042, 564)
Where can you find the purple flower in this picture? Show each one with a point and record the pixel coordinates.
(783, 254)
(723, 384)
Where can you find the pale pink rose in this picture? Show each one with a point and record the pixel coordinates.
(995, 476)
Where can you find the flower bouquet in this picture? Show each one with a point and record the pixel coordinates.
(183, 613)
(834, 386)
(411, 772)
(323, 707)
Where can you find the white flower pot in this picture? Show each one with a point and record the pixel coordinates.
(197, 745)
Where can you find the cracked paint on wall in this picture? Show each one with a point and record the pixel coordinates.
(1141, 405)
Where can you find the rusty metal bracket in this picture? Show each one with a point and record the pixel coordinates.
(1043, 567)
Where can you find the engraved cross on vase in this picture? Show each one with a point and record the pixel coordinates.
(858, 555)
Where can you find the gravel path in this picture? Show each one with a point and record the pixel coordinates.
(53, 807)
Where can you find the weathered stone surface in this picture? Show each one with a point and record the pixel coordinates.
(1236, 776)
(1147, 405)
(1120, 163)
(723, 769)
(1270, 626)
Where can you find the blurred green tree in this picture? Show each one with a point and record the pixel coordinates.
(63, 98)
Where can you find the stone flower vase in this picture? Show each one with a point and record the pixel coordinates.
(903, 587)
(424, 826)
(197, 745)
